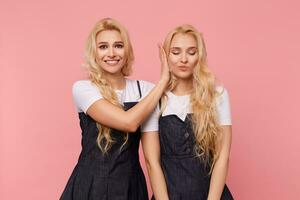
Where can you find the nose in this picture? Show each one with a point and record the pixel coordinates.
(111, 52)
(183, 58)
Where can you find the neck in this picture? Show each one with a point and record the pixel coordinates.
(183, 87)
(117, 81)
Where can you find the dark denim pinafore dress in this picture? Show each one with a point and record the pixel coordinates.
(116, 175)
(186, 176)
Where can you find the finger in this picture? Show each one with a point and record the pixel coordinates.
(161, 53)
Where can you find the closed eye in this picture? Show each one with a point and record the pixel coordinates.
(192, 52)
(175, 52)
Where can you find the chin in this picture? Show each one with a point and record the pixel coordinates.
(183, 75)
(112, 69)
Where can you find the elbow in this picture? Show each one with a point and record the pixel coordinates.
(152, 165)
(226, 158)
(223, 161)
(131, 127)
(148, 165)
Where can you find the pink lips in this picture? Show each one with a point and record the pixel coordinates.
(183, 68)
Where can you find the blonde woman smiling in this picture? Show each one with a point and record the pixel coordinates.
(114, 115)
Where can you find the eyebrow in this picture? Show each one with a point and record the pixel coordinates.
(118, 42)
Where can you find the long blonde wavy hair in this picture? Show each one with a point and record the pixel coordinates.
(97, 76)
(202, 100)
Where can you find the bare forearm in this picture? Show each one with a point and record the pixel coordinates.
(115, 117)
(158, 183)
(112, 116)
(140, 112)
(218, 179)
(137, 114)
(151, 149)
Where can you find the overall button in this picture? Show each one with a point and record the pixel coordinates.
(186, 135)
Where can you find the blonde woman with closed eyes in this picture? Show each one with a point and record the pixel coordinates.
(194, 122)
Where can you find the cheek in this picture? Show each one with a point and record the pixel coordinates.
(172, 60)
(100, 54)
(121, 52)
(123, 57)
(194, 61)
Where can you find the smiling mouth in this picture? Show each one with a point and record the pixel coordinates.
(112, 62)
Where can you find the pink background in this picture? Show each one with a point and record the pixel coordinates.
(253, 48)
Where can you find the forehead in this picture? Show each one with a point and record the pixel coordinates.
(183, 40)
(109, 36)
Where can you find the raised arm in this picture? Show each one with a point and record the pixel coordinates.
(112, 116)
(151, 149)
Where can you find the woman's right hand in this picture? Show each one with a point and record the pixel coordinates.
(165, 70)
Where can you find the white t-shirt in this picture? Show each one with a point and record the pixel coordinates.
(85, 94)
(180, 106)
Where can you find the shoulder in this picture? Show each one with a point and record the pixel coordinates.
(223, 106)
(146, 85)
(222, 93)
(83, 85)
(222, 99)
(84, 94)
(220, 89)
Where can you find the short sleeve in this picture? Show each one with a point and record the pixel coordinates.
(223, 107)
(85, 94)
(151, 123)
(146, 87)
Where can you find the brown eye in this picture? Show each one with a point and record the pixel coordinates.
(103, 46)
(119, 46)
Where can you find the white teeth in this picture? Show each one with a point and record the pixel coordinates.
(112, 62)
